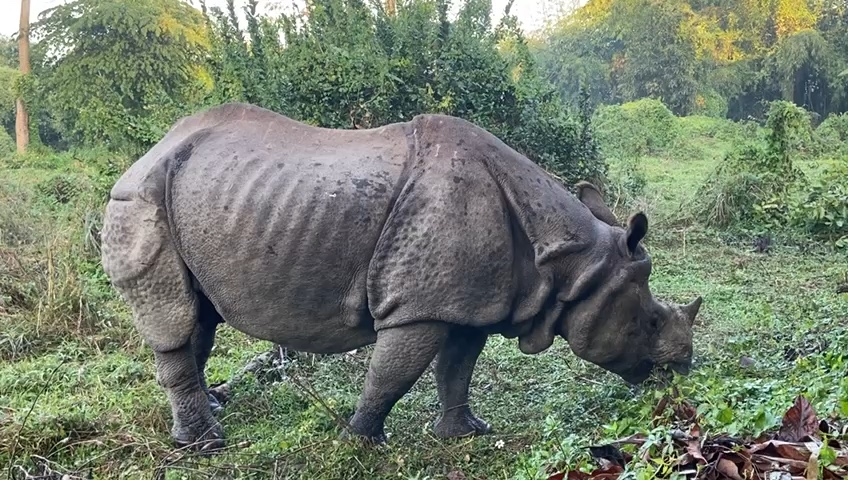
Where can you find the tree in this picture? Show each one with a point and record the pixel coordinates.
(22, 118)
(123, 70)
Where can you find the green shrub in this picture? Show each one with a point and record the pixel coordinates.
(755, 182)
(626, 186)
(715, 128)
(823, 212)
(642, 127)
(757, 185)
(832, 134)
(7, 144)
(710, 103)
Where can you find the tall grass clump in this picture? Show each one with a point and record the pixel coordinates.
(51, 282)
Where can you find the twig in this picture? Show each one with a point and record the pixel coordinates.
(309, 391)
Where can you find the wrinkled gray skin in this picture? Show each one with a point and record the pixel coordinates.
(424, 237)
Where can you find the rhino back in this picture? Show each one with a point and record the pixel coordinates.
(278, 220)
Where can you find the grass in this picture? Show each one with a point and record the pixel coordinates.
(78, 394)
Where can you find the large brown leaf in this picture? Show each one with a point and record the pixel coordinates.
(799, 421)
(777, 448)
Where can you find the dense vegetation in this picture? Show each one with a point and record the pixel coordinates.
(678, 109)
(706, 57)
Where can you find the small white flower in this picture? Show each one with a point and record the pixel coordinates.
(499, 444)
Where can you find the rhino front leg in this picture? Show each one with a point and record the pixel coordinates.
(454, 368)
(401, 355)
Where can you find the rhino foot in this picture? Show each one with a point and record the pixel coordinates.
(460, 422)
(206, 440)
(377, 440)
(367, 429)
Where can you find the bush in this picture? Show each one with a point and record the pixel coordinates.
(824, 210)
(832, 134)
(643, 127)
(716, 128)
(710, 104)
(754, 183)
(732, 190)
(7, 144)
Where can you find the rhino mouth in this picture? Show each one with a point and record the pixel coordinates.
(638, 374)
(682, 368)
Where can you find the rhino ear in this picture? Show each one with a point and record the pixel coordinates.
(637, 228)
(591, 197)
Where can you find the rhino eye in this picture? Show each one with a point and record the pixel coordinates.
(654, 322)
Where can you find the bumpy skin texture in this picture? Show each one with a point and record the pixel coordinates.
(424, 237)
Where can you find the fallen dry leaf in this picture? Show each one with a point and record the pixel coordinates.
(799, 421)
(777, 448)
(813, 463)
(610, 473)
(728, 469)
(766, 463)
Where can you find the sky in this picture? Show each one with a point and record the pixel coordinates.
(530, 13)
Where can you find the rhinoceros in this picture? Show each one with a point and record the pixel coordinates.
(422, 237)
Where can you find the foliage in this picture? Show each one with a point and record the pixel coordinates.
(8, 78)
(120, 72)
(759, 186)
(753, 182)
(824, 210)
(832, 135)
(642, 127)
(710, 103)
(695, 55)
(344, 65)
(806, 69)
(7, 144)
(793, 450)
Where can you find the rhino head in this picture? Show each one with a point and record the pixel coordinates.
(611, 318)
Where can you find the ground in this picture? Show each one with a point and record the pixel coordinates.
(78, 394)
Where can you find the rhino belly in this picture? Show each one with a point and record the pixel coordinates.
(280, 239)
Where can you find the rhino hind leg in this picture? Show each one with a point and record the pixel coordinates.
(401, 355)
(454, 367)
(202, 341)
(194, 425)
(146, 269)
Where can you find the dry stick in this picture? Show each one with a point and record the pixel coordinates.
(302, 385)
(259, 359)
(26, 417)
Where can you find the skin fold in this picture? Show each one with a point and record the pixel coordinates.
(424, 237)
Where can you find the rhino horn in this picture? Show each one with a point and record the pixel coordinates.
(691, 310)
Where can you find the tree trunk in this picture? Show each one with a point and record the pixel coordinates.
(22, 118)
(391, 7)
